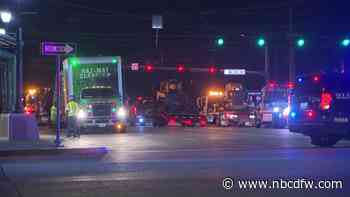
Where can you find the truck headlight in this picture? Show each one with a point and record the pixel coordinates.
(276, 109)
(286, 111)
(234, 116)
(82, 114)
(252, 116)
(121, 113)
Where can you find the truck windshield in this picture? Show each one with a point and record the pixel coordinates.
(97, 93)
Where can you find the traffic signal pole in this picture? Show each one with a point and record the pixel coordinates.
(291, 48)
(267, 63)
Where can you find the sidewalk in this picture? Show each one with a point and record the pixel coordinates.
(46, 146)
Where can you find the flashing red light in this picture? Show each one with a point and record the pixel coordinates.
(310, 114)
(172, 121)
(139, 98)
(187, 122)
(316, 78)
(291, 85)
(212, 70)
(134, 110)
(28, 110)
(272, 84)
(149, 68)
(180, 68)
(326, 99)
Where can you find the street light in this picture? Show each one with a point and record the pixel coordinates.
(6, 16)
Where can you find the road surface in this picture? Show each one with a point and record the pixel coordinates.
(183, 162)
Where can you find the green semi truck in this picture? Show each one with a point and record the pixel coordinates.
(96, 83)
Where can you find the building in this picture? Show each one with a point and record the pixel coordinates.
(7, 74)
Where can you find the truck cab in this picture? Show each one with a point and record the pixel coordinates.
(320, 108)
(97, 85)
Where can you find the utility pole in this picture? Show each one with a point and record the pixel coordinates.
(291, 48)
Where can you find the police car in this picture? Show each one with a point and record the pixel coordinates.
(320, 108)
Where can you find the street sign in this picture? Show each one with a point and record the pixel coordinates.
(58, 48)
(234, 71)
(135, 66)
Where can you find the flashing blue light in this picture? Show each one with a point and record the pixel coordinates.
(141, 120)
(293, 114)
(276, 109)
(300, 80)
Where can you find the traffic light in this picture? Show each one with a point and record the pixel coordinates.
(220, 41)
(180, 68)
(149, 68)
(261, 42)
(212, 70)
(345, 42)
(300, 42)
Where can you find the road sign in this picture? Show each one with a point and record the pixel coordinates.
(234, 71)
(135, 66)
(58, 48)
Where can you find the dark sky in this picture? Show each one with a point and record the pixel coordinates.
(190, 27)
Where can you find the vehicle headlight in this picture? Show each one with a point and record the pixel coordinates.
(276, 109)
(234, 116)
(82, 114)
(286, 111)
(121, 113)
(252, 116)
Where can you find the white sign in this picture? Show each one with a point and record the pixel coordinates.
(234, 71)
(135, 66)
(157, 22)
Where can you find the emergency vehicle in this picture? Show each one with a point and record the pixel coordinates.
(320, 108)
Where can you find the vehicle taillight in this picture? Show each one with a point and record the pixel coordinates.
(326, 100)
(310, 114)
(134, 110)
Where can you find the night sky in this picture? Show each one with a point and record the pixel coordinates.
(190, 27)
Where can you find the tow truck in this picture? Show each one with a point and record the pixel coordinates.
(178, 104)
(320, 108)
(237, 112)
(229, 107)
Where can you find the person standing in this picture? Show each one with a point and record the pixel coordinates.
(72, 110)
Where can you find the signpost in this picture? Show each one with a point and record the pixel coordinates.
(58, 49)
(234, 72)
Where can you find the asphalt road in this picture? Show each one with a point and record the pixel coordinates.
(181, 162)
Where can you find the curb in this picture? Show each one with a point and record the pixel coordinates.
(53, 152)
